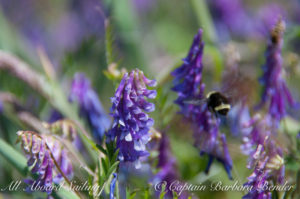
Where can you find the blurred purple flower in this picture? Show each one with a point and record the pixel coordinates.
(275, 91)
(167, 165)
(131, 124)
(238, 115)
(143, 6)
(1, 107)
(257, 180)
(265, 157)
(112, 186)
(209, 139)
(260, 128)
(188, 77)
(188, 85)
(78, 20)
(90, 106)
(268, 167)
(54, 116)
(40, 152)
(298, 136)
(88, 14)
(231, 16)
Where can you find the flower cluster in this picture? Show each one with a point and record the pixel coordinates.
(90, 106)
(131, 124)
(43, 155)
(188, 84)
(265, 157)
(238, 115)
(166, 164)
(188, 77)
(275, 92)
(209, 139)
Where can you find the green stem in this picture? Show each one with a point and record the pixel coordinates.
(117, 189)
(127, 23)
(205, 21)
(51, 90)
(61, 172)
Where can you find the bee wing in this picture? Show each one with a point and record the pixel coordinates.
(238, 87)
(195, 101)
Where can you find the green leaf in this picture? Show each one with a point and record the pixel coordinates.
(162, 195)
(112, 168)
(147, 194)
(111, 150)
(100, 179)
(101, 149)
(66, 194)
(104, 166)
(13, 157)
(115, 156)
(175, 195)
(109, 43)
(90, 182)
(132, 195)
(163, 192)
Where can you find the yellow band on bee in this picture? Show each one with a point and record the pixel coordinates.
(222, 106)
(210, 93)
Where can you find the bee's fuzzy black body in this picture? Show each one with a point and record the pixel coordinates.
(218, 103)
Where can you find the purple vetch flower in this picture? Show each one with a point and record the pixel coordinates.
(131, 124)
(90, 106)
(209, 140)
(260, 128)
(275, 91)
(257, 180)
(112, 186)
(188, 77)
(238, 115)
(188, 84)
(166, 165)
(231, 16)
(60, 156)
(1, 107)
(298, 136)
(43, 153)
(268, 168)
(265, 157)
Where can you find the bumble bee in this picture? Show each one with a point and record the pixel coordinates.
(216, 102)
